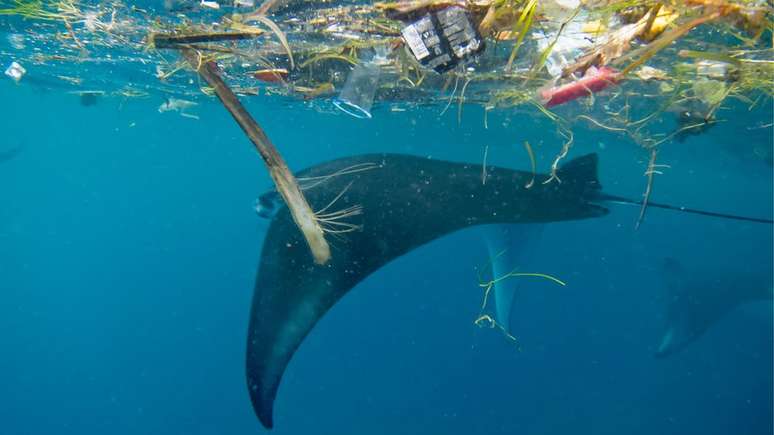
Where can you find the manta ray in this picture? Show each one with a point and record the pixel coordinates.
(695, 302)
(376, 208)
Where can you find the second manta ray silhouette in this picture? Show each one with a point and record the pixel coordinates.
(388, 204)
(696, 301)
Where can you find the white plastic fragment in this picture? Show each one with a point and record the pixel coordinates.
(357, 95)
(244, 3)
(210, 4)
(178, 105)
(173, 104)
(340, 31)
(569, 45)
(15, 71)
(713, 69)
(649, 73)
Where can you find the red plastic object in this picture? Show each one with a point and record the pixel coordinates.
(593, 81)
(275, 75)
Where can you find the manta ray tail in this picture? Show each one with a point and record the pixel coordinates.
(626, 201)
(582, 171)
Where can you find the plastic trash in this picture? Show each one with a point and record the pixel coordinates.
(649, 73)
(570, 45)
(715, 70)
(441, 40)
(178, 105)
(573, 40)
(271, 75)
(595, 80)
(357, 95)
(664, 18)
(15, 71)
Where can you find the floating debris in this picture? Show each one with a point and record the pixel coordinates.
(271, 75)
(357, 95)
(160, 40)
(441, 40)
(178, 105)
(15, 71)
(595, 80)
(649, 73)
(541, 57)
(210, 4)
(89, 98)
(304, 217)
(562, 62)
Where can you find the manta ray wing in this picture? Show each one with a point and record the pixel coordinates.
(406, 201)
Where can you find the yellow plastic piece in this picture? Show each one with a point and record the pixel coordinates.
(665, 17)
(594, 28)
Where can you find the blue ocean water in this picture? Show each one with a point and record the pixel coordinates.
(128, 253)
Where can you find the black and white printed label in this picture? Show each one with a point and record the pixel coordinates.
(442, 39)
(414, 41)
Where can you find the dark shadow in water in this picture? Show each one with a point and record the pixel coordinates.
(6, 155)
(89, 98)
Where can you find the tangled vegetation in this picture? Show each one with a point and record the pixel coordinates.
(678, 59)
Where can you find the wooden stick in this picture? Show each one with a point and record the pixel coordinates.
(164, 40)
(286, 183)
(646, 196)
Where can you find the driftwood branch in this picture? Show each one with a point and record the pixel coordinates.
(164, 40)
(286, 183)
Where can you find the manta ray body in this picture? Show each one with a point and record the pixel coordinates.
(378, 207)
(394, 204)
